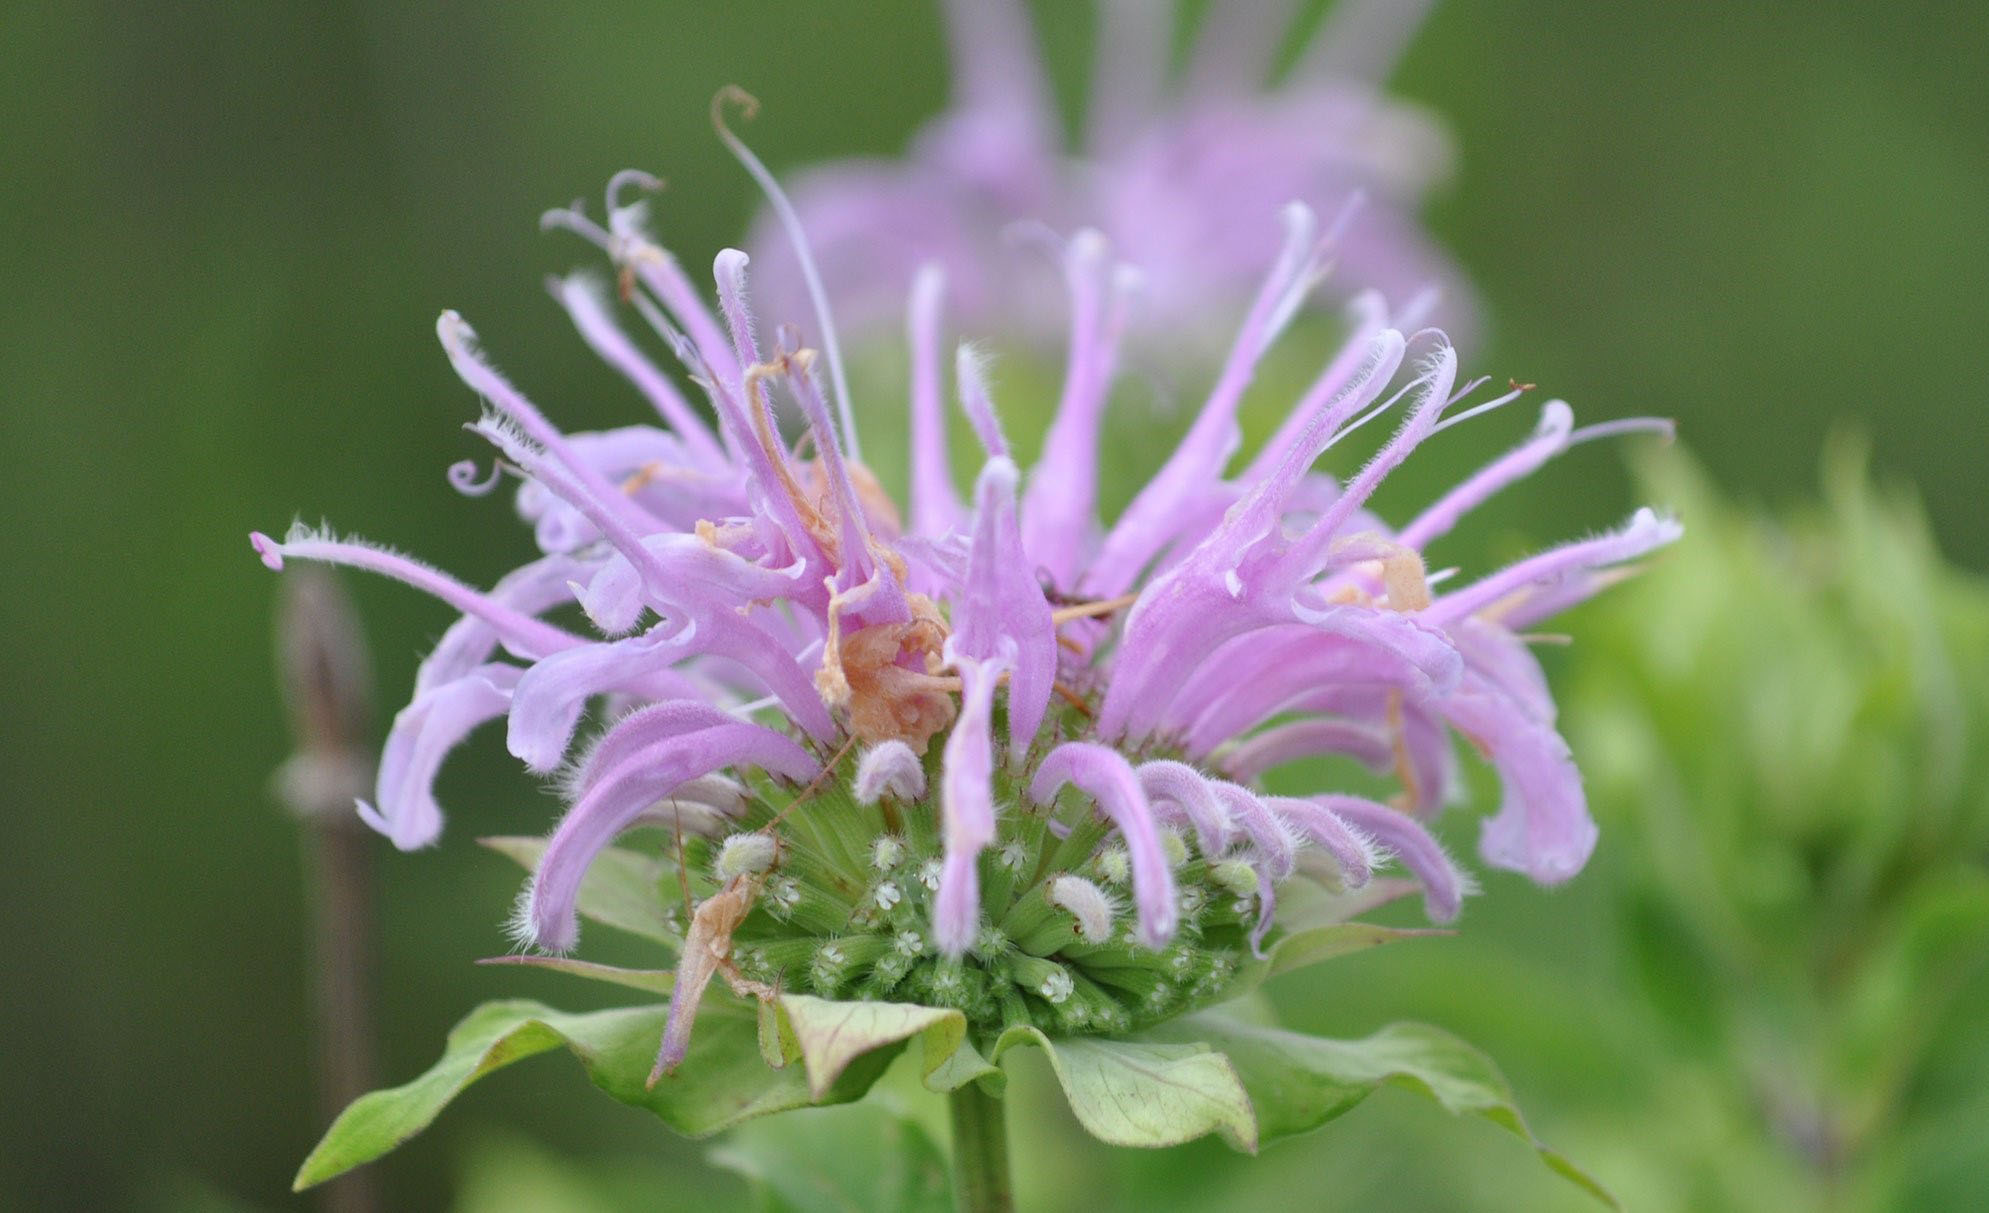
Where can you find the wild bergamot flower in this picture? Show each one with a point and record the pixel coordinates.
(991, 757)
(1184, 171)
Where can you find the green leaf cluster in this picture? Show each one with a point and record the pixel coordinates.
(1785, 727)
(1207, 1073)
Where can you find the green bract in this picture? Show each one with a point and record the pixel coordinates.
(1168, 1080)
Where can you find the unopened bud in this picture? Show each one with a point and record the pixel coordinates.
(1235, 876)
(1085, 902)
(1044, 978)
(745, 855)
(887, 853)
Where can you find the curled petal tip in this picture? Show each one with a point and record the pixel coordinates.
(463, 478)
(738, 98)
(374, 819)
(267, 548)
(454, 331)
(572, 217)
(631, 179)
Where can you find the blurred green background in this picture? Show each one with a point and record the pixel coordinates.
(228, 228)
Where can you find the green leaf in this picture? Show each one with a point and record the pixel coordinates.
(722, 1081)
(866, 1157)
(1142, 1093)
(964, 1065)
(1312, 945)
(623, 889)
(832, 1035)
(778, 1047)
(1297, 1083)
(652, 981)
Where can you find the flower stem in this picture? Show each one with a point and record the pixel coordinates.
(980, 1152)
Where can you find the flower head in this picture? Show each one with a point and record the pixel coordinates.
(991, 753)
(1185, 176)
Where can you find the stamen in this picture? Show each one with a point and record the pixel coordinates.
(1402, 575)
(1405, 765)
(1072, 698)
(1090, 610)
(581, 296)
(575, 220)
(1664, 427)
(790, 223)
(629, 178)
(1486, 407)
(459, 342)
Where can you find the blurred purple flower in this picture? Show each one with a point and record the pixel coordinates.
(760, 604)
(1185, 176)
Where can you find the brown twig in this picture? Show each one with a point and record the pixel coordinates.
(327, 685)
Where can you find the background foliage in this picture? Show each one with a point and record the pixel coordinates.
(229, 227)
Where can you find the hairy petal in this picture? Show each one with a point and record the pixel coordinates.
(1001, 614)
(1152, 519)
(1230, 582)
(1269, 836)
(586, 302)
(1444, 887)
(1645, 532)
(528, 637)
(1324, 828)
(889, 768)
(967, 800)
(1059, 511)
(620, 796)
(551, 696)
(1542, 828)
(644, 727)
(1186, 791)
(1306, 739)
(433, 723)
(1104, 775)
(530, 589)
